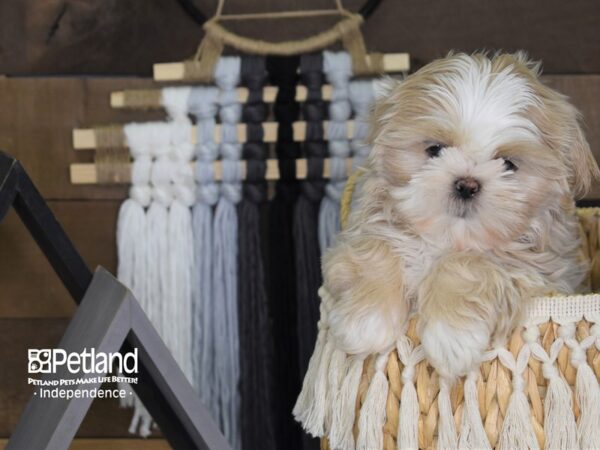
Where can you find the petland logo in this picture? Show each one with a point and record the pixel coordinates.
(88, 361)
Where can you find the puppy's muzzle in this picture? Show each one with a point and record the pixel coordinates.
(467, 187)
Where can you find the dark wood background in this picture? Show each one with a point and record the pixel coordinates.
(61, 59)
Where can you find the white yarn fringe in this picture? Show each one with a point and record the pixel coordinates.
(372, 413)
(343, 413)
(559, 421)
(517, 430)
(408, 426)
(154, 246)
(472, 434)
(339, 375)
(446, 427)
(586, 387)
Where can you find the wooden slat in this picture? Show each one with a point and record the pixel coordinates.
(113, 444)
(38, 114)
(85, 138)
(118, 98)
(86, 173)
(392, 63)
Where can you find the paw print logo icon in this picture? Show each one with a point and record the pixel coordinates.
(39, 360)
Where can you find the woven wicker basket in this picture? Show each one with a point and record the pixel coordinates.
(560, 341)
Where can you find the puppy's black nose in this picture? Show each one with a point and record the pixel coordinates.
(467, 187)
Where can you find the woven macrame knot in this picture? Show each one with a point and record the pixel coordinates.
(207, 193)
(141, 170)
(231, 151)
(340, 110)
(337, 170)
(361, 96)
(230, 113)
(227, 73)
(408, 374)
(595, 330)
(335, 190)
(141, 194)
(567, 331)
(163, 195)
(337, 67)
(207, 151)
(184, 193)
(175, 101)
(183, 151)
(531, 334)
(231, 186)
(549, 370)
(578, 356)
(518, 382)
(337, 134)
(203, 103)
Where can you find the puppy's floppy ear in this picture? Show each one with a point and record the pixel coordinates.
(584, 168)
(560, 123)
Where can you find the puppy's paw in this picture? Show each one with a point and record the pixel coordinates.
(364, 277)
(453, 351)
(365, 326)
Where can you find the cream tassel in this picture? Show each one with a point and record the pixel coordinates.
(472, 433)
(408, 426)
(446, 427)
(587, 389)
(338, 367)
(310, 408)
(517, 431)
(343, 411)
(372, 412)
(560, 429)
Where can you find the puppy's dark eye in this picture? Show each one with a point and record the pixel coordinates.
(509, 165)
(434, 150)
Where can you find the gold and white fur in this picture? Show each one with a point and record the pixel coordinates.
(464, 266)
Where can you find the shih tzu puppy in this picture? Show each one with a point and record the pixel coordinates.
(465, 211)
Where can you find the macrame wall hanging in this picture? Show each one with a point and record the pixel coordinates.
(228, 277)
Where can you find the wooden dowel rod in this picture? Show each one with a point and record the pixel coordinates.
(118, 99)
(87, 173)
(392, 63)
(86, 138)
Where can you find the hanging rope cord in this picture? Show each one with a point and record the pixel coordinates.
(198, 16)
(347, 30)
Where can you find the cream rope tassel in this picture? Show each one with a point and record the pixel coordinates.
(306, 398)
(587, 389)
(372, 413)
(472, 433)
(310, 409)
(560, 429)
(446, 427)
(338, 368)
(517, 430)
(408, 425)
(343, 413)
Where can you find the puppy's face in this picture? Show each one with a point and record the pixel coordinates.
(474, 151)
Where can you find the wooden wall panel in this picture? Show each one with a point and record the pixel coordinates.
(28, 285)
(104, 419)
(126, 36)
(36, 119)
